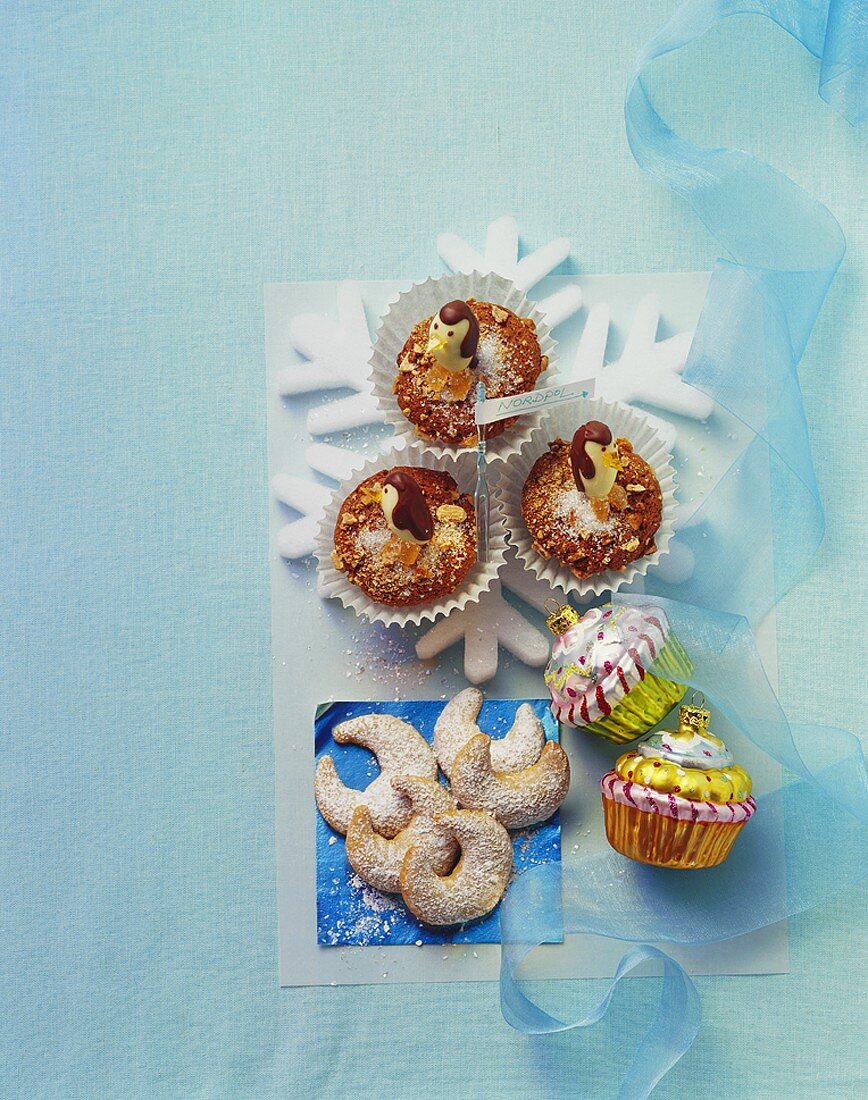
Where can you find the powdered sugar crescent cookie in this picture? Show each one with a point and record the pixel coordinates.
(520, 747)
(377, 860)
(516, 799)
(478, 880)
(399, 749)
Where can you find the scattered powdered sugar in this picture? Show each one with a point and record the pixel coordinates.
(371, 898)
(492, 359)
(574, 507)
(369, 916)
(373, 539)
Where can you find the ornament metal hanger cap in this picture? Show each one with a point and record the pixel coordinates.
(561, 616)
(693, 717)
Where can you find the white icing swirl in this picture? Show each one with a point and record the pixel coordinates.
(602, 658)
(698, 750)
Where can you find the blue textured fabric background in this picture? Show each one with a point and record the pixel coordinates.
(161, 162)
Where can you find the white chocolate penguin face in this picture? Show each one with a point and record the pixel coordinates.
(453, 336)
(388, 499)
(444, 343)
(606, 465)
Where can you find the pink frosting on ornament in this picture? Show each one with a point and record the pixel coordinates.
(601, 658)
(674, 805)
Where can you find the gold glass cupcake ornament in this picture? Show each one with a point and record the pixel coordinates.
(677, 799)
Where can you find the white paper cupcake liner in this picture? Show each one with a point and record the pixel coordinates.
(332, 584)
(423, 300)
(563, 422)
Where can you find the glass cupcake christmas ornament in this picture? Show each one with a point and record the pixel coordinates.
(677, 799)
(599, 674)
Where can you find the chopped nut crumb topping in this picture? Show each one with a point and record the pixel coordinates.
(371, 494)
(451, 513)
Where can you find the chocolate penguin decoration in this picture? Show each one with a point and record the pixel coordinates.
(594, 459)
(405, 508)
(453, 336)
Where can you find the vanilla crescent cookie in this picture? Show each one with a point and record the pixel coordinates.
(517, 798)
(399, 749)
(478, 880)
(520, 747)
(377, 860)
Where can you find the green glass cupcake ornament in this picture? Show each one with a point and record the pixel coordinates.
(599, 674)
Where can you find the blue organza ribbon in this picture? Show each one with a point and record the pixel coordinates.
(782, 251)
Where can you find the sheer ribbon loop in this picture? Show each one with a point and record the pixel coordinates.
(753, 536)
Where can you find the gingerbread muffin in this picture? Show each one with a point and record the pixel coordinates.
(593, 504)
(447, 354)
(406, 536)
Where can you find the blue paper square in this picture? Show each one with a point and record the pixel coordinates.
(349, 911)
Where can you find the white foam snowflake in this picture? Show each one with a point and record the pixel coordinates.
(501, 257)
(648, 371)
(484, 626)
(335, 355)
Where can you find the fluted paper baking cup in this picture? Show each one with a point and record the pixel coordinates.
(563, 422)
(332, 584)
(424, 299)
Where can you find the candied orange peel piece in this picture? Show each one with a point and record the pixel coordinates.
(408, 553)
(460, 384)
(371, 494)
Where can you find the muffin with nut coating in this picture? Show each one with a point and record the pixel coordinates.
(594, 504)
(447, 354)
(406, 536)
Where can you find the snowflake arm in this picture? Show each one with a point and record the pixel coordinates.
(336, 353)
(344, 413)
(650, 372)
(501, 257)
(484, 626)
(296, 539)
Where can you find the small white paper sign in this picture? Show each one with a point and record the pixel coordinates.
(500, 408)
